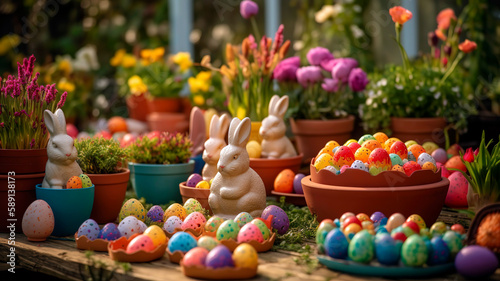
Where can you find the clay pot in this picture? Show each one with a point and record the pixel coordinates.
(168, 122)
(23, 161)
(312, 135)
(200, 194)
(164, 104)
(268, 169)
(330, 202)
(109, 194)
(476, 222)
(419, 129)
(138, 107)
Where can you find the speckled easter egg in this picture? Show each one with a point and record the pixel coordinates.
(424, 157)
(140, 242)
(429, 166)
(250, 232)
(362, 154)
(110, 232)
(357, 164)
(343, 156)
(416, 150)
(453, 241)
(395, 159)
(195, 221)
(156, 234)
(195, 257)
(388, 143)
(74, 182)
(228, 230)
(132, 208)
(438, 252)
(343, 168)
(280, 220)
(207, 242)
(192, 205)
(245, 256)
(324, 160)
(400, 149)
(410, 143)
(354, 146)
(410, 167)
(262, 227)
(361, 248)
(38, 221)
(414, 251)
(155, 214)
(181, 241)
(398, 168)
(213, 224)
(457, 192)
(284, 181)
(193, 180)
(438, 228)
(243, 218)
(372, 144)
(130, 226)
(365, 138)
(336, 244)
(332, 170)
(377, 218)
(172, 223)
(418, 220)
(324, 227)
(89, 228)
(328, 148)
(86, 182)
(379, 159)
(175, 209)
(381, 138)
(219, 257)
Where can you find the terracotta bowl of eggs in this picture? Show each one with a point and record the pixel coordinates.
(146, 247)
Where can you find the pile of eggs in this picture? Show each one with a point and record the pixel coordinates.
(152, 237)
(75, 182)
(196, 180)
(127, 227)
(375, 154)
(393, 241)
(244, 256)
(288, 182)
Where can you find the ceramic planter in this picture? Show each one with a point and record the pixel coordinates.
(138, 107)
(419, 129)
(312, 135)
(168, 122)
(109, 194)
(200, 194)
(159, 184)
(71, 207)
(268, 169)
(476, 222)
(164, 104)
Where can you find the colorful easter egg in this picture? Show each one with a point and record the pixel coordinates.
(130, 226)
(372, 144)
(219, 257)
(203, 185)
(195, 221)
(297, 185)
(394, 221)
(156, 234)
(395, 159)
(457, 192)
(438, 252)
(414, 251)
(38, 222)
(399, 148)
(250, 232)
(387, 249)
(172, 224)
(245, 256)
(476, 262)
(195, 257)
(362, 154)
(349, 142)
(357, 164)
(377, 217)
(345, 216)
(132, 207)
(354, 146)
(213, 224)
(181, 241)
(410, 167)
(192, 205)
(430, 146)
(388, 143)
(429, 166)
(328, 148)
(228, 230)
(175, 209)
(453, 241)
(361, 248)
(86, 182)
(254, 149)
(155, 214)
(343, 156)
(410, 143)
(207, 242)
(425, 157)
(89, 228)
(284, 181)
(193, 180)
(418, 220)
(381, 138)
(438, 228)
(398, 168)
(243, 218)
(336, 244)
(140, 242)
(110, 232)
(262, 227)
(379, 159)
(365, 138)
(440, 155)
(324, 160)
(416, 150)
(280, 220)
(74, 182)
(332, 170)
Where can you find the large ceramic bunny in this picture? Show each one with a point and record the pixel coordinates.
(61, 152)
(274, 142)
(214, 145)
(237, 188)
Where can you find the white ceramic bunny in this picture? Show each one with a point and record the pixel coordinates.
(197, 131)
(213, 146)
(61, 151)
(237, 188)
(274, 142)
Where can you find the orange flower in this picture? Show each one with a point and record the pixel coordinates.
(440, 34)
(444, 17)
(400, 15)
(467, 46)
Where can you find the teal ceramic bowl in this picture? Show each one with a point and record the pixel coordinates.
(71, 207)
(159, 184)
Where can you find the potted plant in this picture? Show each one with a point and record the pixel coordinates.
(23, 136)
(158, 163)
(102, 159)
(324, 96)
(417, 100)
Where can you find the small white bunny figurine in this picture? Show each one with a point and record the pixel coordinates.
(237, 188)
(274, 142)
(213, 146)
(61, 151)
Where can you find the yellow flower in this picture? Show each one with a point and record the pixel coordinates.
(136, 85)
(8, 42)
(204, 75)
(65, 66)
(183, 59)
(128, 61)
(196, 85)
(152, 55)
(241, 112)
(65, 85)
(199, 100)
(117, 58)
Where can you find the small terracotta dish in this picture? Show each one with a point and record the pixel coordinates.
(117, 251)
(200, 194)
(97, 245)
(292, 198)
(225, 273)
(175, 257)
(196, 234)
(259, 247)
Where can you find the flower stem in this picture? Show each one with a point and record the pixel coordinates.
(255, 28)
(452, 67)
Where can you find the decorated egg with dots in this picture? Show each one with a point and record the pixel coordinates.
(381, 138)
(280, 220)
(245, 256)
(372, 144)
(377, 217)
(130, 226)
(132, 208)
(395, 159)
(354, 146)
(172, 224)
(362, 154)
(398, 168)
(207, 242)
(438, 228)
(203, 185)
(192, 205)
(181, 241)
(195, 221)
(156, 234)
(243, 218)
(410, 143)
(284, 181)
(74, 182)
(414, 251)
(155, 214)
(38, 222)
(89, 228)
(357, 164)
(219, 257)
(418, 220)
(86, 182)
(140, 242)
(250, 232)
(175, 209)
(361, 248)
(193, 180)
(400, 149)
(332, 170)
(411, 157)
(410, 167)
(416, 150)
(228, 230)
(110, 232)
(343, 156)
(424, 157)
(457, 191)
(195, 257)
(213, 224)
(429, 166)
(349, 142)
(336, 244)
(324, 160)
(262, 227)
(379, 159)
(330, 146)
(388, 143)
(365, 138)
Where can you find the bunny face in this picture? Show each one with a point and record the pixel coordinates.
(213, 147)
(234, 161)
(61, 149)
(272, 128)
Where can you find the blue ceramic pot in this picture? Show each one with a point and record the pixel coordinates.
(71, 207)
(159, 184)
(198, 163)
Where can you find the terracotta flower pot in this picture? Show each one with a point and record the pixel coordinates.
(312, 135)
(164, 104)
(200, 194)
(168, 122)
(419, 129)
(23, 161)
(268, 169)
(109, 194)
(138, 107)
(330, 202)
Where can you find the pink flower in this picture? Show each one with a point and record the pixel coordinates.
(330, 85)
(358, 80)
(286, 70)
(469, 156)
(62, 100)
(309, 75)
(476, 152)
(342, 69)
(329, 64)
(248, 9)
(317, 55)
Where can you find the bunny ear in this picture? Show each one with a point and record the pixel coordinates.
(50, 121)
(281, 107)
(61, 124)
(224, 125)
(197, 131)
(214, 126)
(239, 131)
(272, 104)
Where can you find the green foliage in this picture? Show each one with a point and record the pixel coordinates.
(167, 148)
(100, 155)
(98, 270)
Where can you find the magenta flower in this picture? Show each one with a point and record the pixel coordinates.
(342, 69)
(469, 155)
(330, 85)
(309, 75)
(61, 102)
(329, 64)
(358, 79)
(285, 72)
(291, 60)
(317, 55)
(248, 9)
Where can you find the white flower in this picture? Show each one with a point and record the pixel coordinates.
(455, 89)
(399, 87)
(420, 98)
(356, 31)
(445, 102)
(382, 82)
(384, 100)
(432, 89)
(437, 95)
(86, 59)
(369, 101)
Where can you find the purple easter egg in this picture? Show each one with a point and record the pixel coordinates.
(218, 257)
(377, 217)
(440, 155)
(110, 232)
(297, 186)
(194, 179)
(280, 218)
(155, 213)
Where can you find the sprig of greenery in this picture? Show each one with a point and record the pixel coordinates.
(167, 148)
(100, 155)
(97, 270)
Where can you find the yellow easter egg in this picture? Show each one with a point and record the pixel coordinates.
(175, 209)
(133, 208)
(410, 143)
(329, 146)
(381, 138)
(418, 220)
(203, 185)
(324, 160)
(429, 166)
(347, 143)
(362, 154)
(398, 168)
(254, 149)
(156, 234)
(388, 143)
(245, 256)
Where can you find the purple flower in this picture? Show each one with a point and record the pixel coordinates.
(358, 80)
(329, 64)
(248, 9)
(291, 60)
(330, 85)
(309, 75)
(342, 69)
(286, 69)
(62, 100)
(317, 55)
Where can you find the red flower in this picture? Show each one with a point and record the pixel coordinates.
(469, 156)
(444, 17)
(476, 152)
(400, 15)
(445, 61)
(467, 46)
(440, 34)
